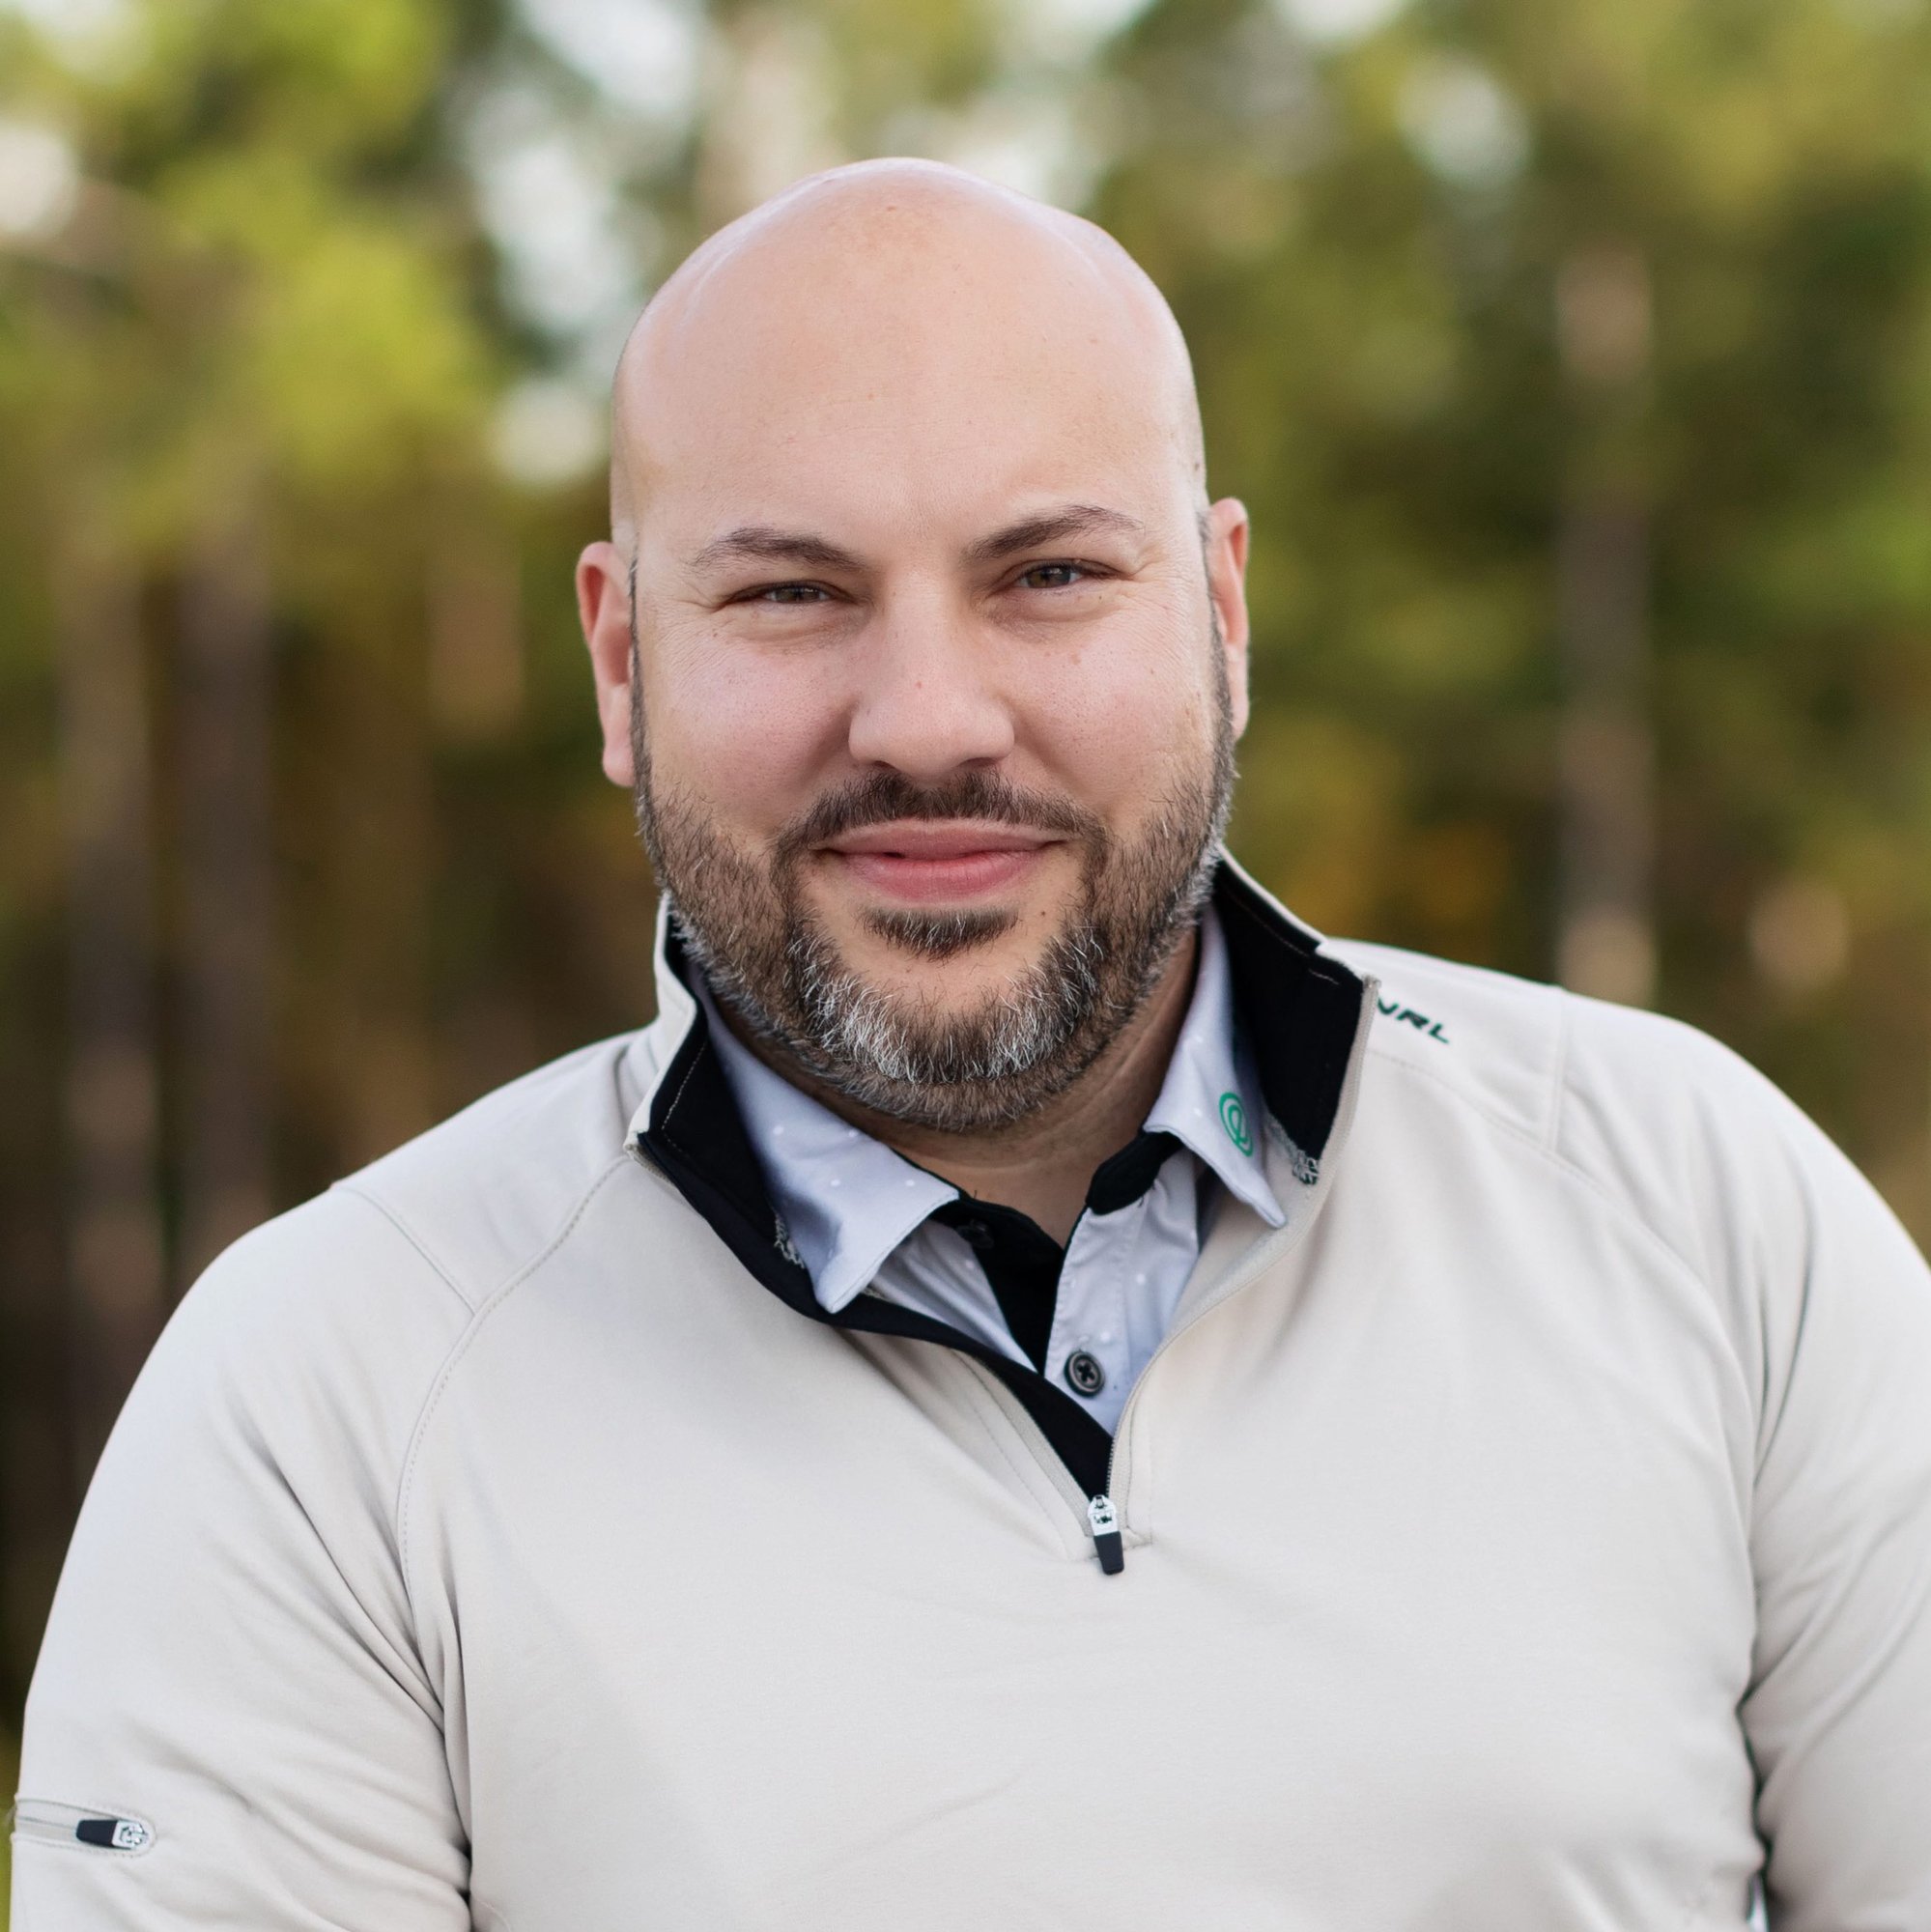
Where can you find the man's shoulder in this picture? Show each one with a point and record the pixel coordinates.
(1531, 1052)
(1649, 1111)
(450, 1216)
(1494, 1040)
(359, 1294)
(485, 1191)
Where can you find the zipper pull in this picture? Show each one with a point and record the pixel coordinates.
(114, 1834)
(1105, 1524)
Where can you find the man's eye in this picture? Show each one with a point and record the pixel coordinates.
(1053, 576)
(789, 594)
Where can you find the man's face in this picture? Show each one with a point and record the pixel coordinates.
(937, 668)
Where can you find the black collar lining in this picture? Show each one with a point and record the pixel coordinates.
(1299, 1012)
(752, 1234)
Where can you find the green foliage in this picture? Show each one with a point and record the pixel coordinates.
(326, 79)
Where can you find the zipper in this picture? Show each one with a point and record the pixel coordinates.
(1105, 1526)
(1101, 1515)
(37, 1818)
(1102, 1518)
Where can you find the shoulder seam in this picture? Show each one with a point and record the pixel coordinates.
(1621, 1209)
(408, 1234)
(460, 1347)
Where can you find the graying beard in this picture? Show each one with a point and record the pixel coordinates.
(983, 1071)
(884, 1050)
(980, 1071)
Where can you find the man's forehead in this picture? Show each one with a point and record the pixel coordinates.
(895, 320)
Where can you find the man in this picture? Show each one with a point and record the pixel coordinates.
(1036, 1393)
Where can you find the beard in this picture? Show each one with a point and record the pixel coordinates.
(971, 1070)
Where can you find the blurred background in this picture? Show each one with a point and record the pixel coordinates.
(1574, 361)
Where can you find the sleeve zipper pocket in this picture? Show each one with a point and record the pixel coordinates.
(37, 1820)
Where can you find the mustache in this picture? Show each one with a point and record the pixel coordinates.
(879, 798)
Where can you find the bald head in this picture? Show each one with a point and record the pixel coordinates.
(893, 300)
(918, 640)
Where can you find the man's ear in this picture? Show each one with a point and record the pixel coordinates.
(1227, 586)
(602, 607)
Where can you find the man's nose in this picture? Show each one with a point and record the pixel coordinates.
(928, 700)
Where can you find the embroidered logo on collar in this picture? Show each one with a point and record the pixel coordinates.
(1233, 1118)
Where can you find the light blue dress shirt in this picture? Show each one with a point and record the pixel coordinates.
(857, 1213)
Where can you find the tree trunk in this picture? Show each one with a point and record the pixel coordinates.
(1605, 778)
(226, 952)
(115, 1258)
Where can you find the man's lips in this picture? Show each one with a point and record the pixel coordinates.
(925, 863)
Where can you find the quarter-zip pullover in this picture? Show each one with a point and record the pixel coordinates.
(1531, 1534)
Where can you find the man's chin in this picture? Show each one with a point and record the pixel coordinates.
(878, 934)
(942, 968)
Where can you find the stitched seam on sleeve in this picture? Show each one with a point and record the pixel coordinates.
(92, 1806)
(1621, 1209)
(408, 1234)
(405, 1484)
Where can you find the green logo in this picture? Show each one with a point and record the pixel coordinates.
(1233, 1118)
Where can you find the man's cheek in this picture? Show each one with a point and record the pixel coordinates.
(750, 777)
(765, 751)
(1113, 735)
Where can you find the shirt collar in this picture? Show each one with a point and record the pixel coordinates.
(846, 1200)
(1210, 1101)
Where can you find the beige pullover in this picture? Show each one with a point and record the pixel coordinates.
(1521, 1539)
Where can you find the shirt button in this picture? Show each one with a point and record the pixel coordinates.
(1084, 1374)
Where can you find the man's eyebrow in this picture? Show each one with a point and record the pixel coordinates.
(760, 543)
(1074, 520)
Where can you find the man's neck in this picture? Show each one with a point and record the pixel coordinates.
(1041, 1165)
